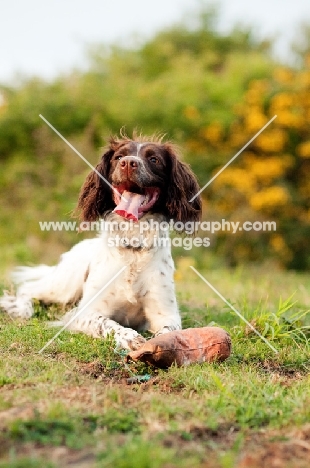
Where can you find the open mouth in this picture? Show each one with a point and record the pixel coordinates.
(133, 201)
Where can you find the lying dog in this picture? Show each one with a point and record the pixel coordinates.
(137, 180)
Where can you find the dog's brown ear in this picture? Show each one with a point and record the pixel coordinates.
(182, 187)
(96, 195)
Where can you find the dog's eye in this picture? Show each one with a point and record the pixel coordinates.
(154, 160)
(118, 157)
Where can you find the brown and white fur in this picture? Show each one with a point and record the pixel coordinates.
(142, 297)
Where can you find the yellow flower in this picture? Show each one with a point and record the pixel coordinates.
(257, 89)
(191, 113)
(212, 133)
(289, 119)
(303, 150)
(272, 140)
(283, 75)
(267, 169)
(260, 86)
(255, 120)
(252, 96)
(241, 179)
(194, 146)
(238, 137)
(304, 78)
(277, 242)
(182, 269)
(271, 197)
(282, 100)
(279, 246)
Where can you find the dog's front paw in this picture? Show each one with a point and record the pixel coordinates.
(136, 343)
(129, 339)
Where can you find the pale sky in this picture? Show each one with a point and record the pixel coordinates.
(48, 37)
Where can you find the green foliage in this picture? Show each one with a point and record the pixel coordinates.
(4, 380)
(27, 463)
(279, 324)
(72, 431)
(122, 420)
(52, 432)
(137, 453)
(41, 176)
(210, 92)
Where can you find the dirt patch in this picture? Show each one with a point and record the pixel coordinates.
(92, 369)
(23, 413)
(293, 451)
(96, 370)
(224, 434)
(11, 386)
(74, 396)
(270, 449)
(283, 371)
(60, 456)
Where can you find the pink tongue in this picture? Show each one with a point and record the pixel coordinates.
(129, 208)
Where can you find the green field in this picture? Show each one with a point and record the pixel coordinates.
(74, 406)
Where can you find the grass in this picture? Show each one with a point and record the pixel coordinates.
(73, 405)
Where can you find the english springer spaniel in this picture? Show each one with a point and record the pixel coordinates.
(138, 180)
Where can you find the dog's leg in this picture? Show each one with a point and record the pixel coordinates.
(17, 306)
(160, 305)
(95, 324)
(60, 284)
(94, 314)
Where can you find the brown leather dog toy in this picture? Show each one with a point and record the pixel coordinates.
(184, 347)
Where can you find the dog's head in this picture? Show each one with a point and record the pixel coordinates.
(140, 175)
